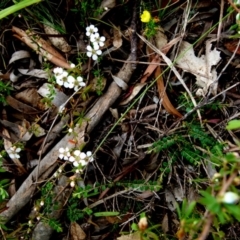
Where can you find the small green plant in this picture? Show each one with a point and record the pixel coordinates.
(186, 144)
(5, 90)
(151, 24)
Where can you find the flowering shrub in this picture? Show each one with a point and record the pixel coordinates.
(93, 50)
(68, 81)
(77, 158)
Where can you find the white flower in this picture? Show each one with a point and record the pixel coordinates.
(70, 130)
(58, 71)
(64, 153)
(96, 39)
(38, 218)
(93, 52)
(72, 65)
(83, 162)
(13, 152)
(61, 78)
(230, 198)
(70, 82)
(79, 83)
(82, 155)
(91, 30)
(72, 184)
(42, 203)
(90, 156)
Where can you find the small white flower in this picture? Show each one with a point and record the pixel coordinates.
(38, 218)
(55, 174)
(61, 78)
(83, 155)
(72, 65)
(83, 162)
(230, 198)
(91, 30)
(35, 209)
(72, 184)
(64, 153)
(90, 156)
(58, 71)
(13, 152)
(68, 82)
(79, 83)
(30, 223)
(42, 203)
(70, 130)
(93, 52)
(96, 39)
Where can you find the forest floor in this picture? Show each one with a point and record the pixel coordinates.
(119, 120)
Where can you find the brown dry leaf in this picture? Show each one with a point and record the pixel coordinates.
(160, 39)
(136, 89)
(117, 37)
(120, 82)
(21, 107)
(201, 67)
(29, 96)
(76, 232)
(132, 236)
(18, 131)
(165, 225)
(163, 95)
(150, 69)
(58, 42)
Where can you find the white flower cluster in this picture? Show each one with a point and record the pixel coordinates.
(93, 50)
(13, 152)
(68, 81)
(78, 158)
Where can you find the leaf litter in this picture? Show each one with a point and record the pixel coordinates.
(141, 163)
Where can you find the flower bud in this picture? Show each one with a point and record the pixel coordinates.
(143, 224)
(230, 198)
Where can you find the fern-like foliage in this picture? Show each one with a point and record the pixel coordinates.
(183, 144)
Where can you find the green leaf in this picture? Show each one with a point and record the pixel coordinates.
(234, 124)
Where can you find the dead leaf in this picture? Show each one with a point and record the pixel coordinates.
(76, 232)
(117, 37)
(165, 225)
(114, 112)
(19, 55)
(120, 82)
(58, 42)
(150, 69)
(21, 107)
(170, 199)
(136, 89)
(39, 73)
(201, 67)
(132, 236)
(29, 96)
(160, 39)
(163, 95)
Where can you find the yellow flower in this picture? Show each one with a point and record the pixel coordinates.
(146, 16)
